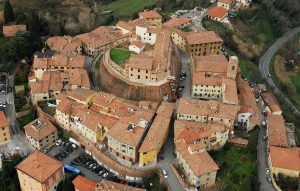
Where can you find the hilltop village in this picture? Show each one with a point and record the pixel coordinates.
(151, 114)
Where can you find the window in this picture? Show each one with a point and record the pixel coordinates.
(4, 134)
(3, 128)
(139, 76)
(139, 70)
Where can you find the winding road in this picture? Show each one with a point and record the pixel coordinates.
(265, 62)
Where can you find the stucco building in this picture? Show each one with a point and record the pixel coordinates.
(156, 136)
(41, 133)
(285, 161)
(203, 43)
(39, 172)
(207, 111)
(4, 129)
(199, 168)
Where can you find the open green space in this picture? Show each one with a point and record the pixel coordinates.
(296, 82)
(119, 56)
(127, 8)
(238, 167)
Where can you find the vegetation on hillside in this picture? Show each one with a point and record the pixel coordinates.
(8, 174)
(241, 174)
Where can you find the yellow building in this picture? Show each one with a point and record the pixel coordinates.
(39, 172)
(4, 129)
(41, 133)
(156, 136)
(179, 38)
(203, 43)
(285, 161)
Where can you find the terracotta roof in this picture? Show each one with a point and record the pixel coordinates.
(140, 62)
(226, 1)
(200, 78)
(138, 44)
(56, 80)
(149, 15)
(219, 12)
(199, 163)
(83, 184)
(211, 63)
(59, 60)
(190, 127)
(101, 36)
(276, 131)
(165, 109)
(3, 120)
(238, 141)
(106, 185)
(40, 128)
(81, 94)
(93, 120)
(247, 101)
(285, 158)
(230, 91)
(211, 108)
(39, 166)
(131, 25)
(123, 134)
(65, 44)
(10, 31)
(202, 37)
(270, 101)
(159, 128)
(109, 104)
(177, 22)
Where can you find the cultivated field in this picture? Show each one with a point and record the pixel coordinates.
(126, 8)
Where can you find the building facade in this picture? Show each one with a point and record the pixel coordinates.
(39, 172)
(4, 129)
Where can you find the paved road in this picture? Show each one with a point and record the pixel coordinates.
(18, 140)
(262, 156)
(265, 61)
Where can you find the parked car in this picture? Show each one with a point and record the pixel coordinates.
(122, 182)
(105, 175)
(165, 173)
(58, 142)
(101, 172)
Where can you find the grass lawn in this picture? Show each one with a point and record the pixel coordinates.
(126, 8)
(119, 56)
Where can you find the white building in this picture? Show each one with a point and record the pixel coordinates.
(137, 47)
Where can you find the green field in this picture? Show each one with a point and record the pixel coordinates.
(126, 8)
(119, 56)
(296, 82)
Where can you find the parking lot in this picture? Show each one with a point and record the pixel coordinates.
(69, 153)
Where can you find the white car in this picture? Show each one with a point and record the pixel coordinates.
(105, 175)
(267, 171)
(58, 142)
(165, 173)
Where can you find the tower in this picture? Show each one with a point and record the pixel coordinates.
(232, 67)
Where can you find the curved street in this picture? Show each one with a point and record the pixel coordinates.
(265, 62)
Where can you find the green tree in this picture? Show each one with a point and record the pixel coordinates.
(8, 12)
(34, 23)
(8, 175)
